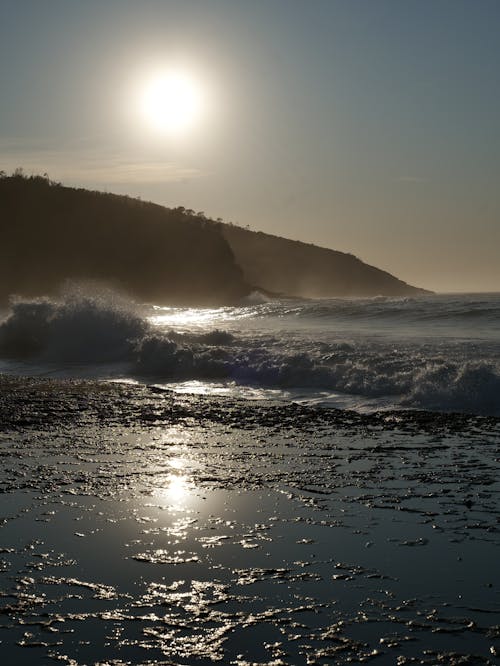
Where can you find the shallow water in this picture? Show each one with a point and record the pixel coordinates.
(191, 530)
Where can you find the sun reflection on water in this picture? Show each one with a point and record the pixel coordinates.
(189, 317)
(178, 489)
(174, 487)
(177, 463)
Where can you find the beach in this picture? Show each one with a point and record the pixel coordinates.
(249, 333)
(144, 526)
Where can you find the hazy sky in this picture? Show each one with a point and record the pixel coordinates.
(368, 126)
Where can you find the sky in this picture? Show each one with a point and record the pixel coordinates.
(366, 126)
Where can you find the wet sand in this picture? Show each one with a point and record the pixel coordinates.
(143, 527)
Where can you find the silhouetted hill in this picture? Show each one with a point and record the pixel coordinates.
(300, 269)
(50, 233)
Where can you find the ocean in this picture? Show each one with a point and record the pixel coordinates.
(179, 486)
(436, 352)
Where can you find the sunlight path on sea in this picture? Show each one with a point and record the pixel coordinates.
(192, 317)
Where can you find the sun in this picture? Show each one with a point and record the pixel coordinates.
(172, 102)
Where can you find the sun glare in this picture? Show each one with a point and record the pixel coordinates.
(177, 490)
(172, 102)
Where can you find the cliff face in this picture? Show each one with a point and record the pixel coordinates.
(299, 269)
(50, 233)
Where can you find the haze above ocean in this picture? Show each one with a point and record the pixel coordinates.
(437, 352)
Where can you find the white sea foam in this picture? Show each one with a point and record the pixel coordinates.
(411, 353)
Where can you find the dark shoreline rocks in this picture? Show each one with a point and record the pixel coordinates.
(163, 522)
(41, 402)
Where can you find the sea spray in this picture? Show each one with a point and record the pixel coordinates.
(79, 327)
(266, 346)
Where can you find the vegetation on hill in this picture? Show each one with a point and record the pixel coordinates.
(308, 271)
(51, 234)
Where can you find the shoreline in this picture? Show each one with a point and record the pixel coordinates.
(145, 527)
(26, 401)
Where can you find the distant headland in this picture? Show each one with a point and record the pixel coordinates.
(52, 234)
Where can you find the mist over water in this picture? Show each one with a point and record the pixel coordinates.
(437, 352)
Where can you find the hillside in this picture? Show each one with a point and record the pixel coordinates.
(300, 269)
(51, 233)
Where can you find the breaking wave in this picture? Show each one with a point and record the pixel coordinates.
(105, 329)
(79, 328)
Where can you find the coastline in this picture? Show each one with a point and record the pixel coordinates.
(27, 401)
(142, 526)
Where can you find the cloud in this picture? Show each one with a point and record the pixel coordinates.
(80, 167)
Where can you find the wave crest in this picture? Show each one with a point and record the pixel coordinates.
(470, 387)
(104, 328)
(79, 328)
